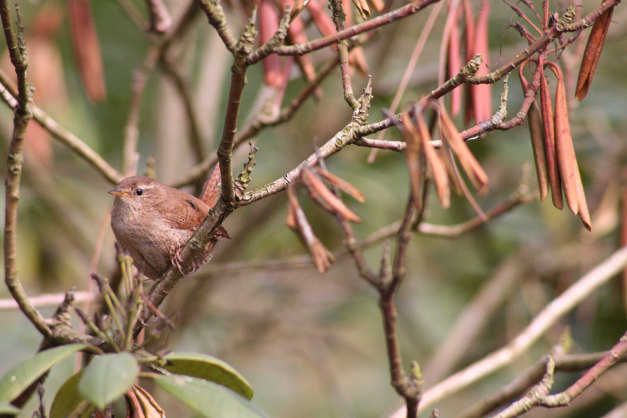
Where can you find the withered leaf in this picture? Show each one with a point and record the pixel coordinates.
(469, 163)
(341, 184)
(438, 170)
(320, 193)
(412, 156)
(297, 221)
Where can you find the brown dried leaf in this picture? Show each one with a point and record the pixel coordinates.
(321, 194)
(537, 143)
(341, 184)
(412, 156)
(297, 221)
(447, 158)
(296, 35)
(469, 32)
(321, 19)
(482, 93)
(549, 143)
(566, 159)
(87, 49)
(592, 53)
(150, 407)
(584, 213)
(438, 170)
(469, 163)
(378, 5)
(268, 25)
(454, 58)
(363, 8)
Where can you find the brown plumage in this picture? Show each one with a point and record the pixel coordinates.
(151, 222)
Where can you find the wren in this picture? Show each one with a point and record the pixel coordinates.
(152, 222)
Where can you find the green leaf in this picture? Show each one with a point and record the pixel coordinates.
(208, 398)
(209, 368)
(8, 409)
(23, 375)
(108, 377)
(67, 399)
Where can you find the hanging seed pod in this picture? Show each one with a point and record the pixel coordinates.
(567, 160)
(482, 94)
(536, 132)
(592, 53)
(454, 58)
(297, 221)
(549, 141)
(438, 170)
(413, 158)
(469, 163)
(321, 194)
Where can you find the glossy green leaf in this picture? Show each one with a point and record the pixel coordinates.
(208, 398)
(8, 409)
(23, 375)
(108, 377)
(209, 368)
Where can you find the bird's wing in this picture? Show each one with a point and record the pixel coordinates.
(186, 213)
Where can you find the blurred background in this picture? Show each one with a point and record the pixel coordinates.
(311, 344)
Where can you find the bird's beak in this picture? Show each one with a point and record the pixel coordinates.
(118, 192)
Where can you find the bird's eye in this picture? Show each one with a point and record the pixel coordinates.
(139, 192)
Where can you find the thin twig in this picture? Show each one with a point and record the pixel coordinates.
(369, 25)
(555, 310)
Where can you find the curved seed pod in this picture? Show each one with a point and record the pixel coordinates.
(566, 160)
(536, 132)
(592, 53)
(549, 141)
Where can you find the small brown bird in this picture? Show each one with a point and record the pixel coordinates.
(151, 222)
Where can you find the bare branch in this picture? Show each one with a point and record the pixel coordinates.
(555, 310)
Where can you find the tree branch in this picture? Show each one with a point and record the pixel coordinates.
(22, 115)
(555, 310)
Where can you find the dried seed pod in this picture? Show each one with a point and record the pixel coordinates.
(592, 53)
(297, 221)
(438, 170)
(341, 184)
(566, 160)
(537, 142)
(413, 157)
(469, 163)
(321, 194)
(549, 141)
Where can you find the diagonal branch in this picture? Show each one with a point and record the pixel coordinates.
(555, 310)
